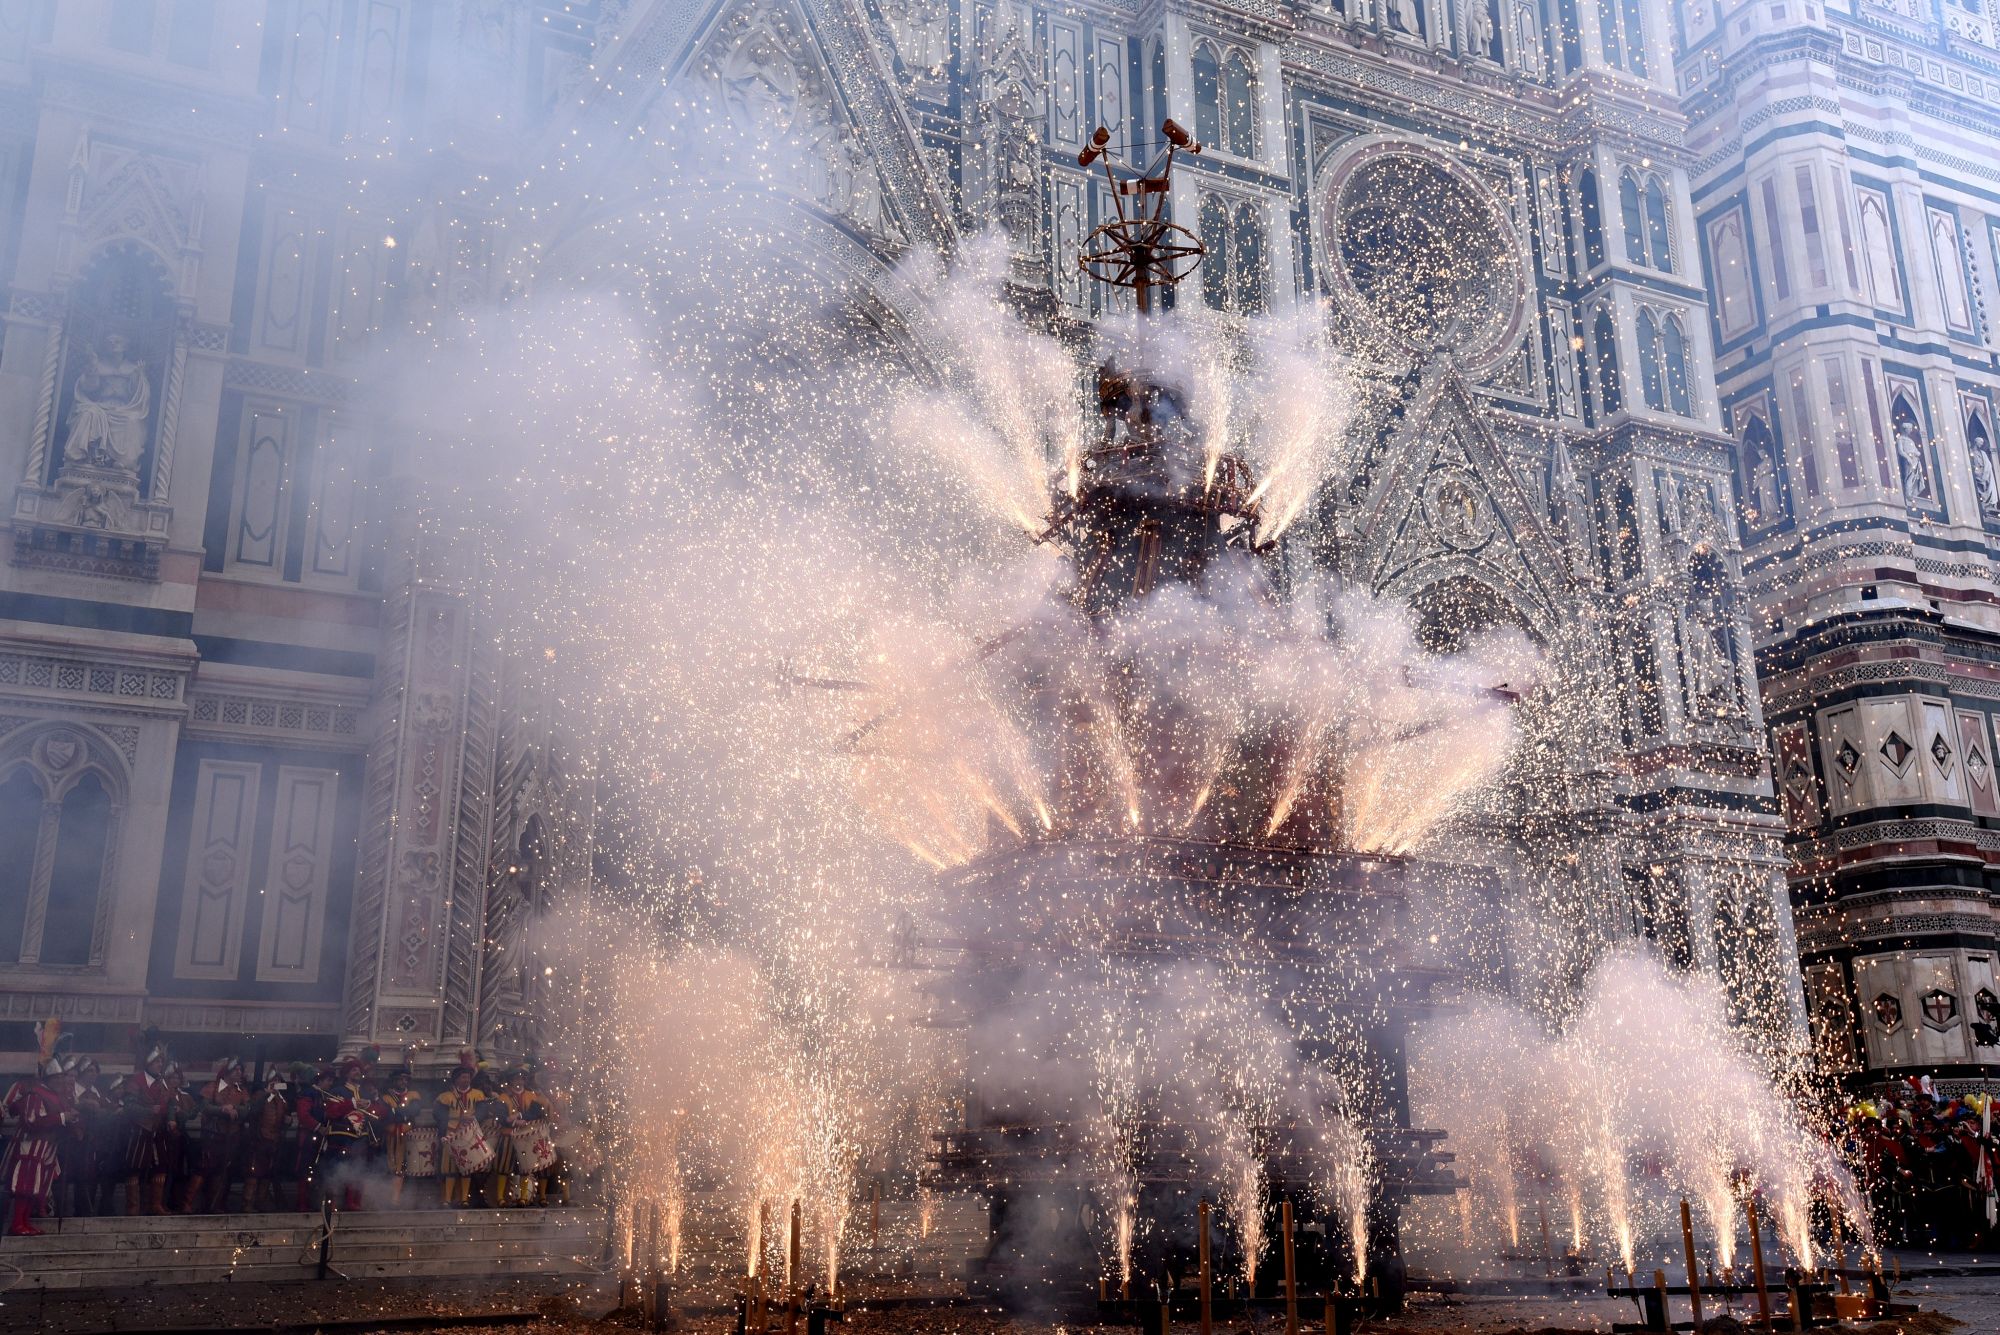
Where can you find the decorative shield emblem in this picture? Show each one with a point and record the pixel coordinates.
(1889, 1011)
(1940, 1008)
(60, 752)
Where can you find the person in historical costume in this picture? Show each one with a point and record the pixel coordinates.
(523, 1122)
(223, 1100)
(44, 1115)
(352, 1119)
(400, 1104)
(263, 1134)
(465, 1150)
(87, 1157)
(108, 417)
(309, 1134)
(144, 1102)
(182, 1141)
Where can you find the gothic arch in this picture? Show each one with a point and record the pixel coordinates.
(63, 793)
(1457, 607)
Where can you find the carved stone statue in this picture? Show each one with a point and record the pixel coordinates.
(1764, 487)
(1910, 455)
(1711, 672)
(1985, 483)
(1479, 28)
(108, 420)
(1402, 15)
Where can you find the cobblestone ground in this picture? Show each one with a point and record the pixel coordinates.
(1965, 1304)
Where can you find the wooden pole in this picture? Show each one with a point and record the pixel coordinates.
(1291, 1270)
(1207, 1312)
(792, 1272)
(649, 1260)
(1694, 1268)
(875, 1213)
(1660, 1293)
(1757, 1262)
(1548, 1252)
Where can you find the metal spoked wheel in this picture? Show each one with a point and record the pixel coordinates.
(1131, 252)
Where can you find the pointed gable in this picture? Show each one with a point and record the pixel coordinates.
(806, 75)
(1443, 502)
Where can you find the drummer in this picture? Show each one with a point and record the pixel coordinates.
(515, 1178)
(460, 1131)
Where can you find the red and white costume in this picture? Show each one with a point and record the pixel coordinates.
(41, 1117)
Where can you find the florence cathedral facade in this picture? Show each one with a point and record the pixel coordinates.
(1685, 312)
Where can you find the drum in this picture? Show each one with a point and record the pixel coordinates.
(534, 1150)
(468, 1148)
(420, 1151)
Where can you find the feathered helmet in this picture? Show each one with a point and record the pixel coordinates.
(149, 1047)
(52, 1047)
(226, 1065)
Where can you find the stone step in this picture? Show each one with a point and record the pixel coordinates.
(130, 1244)
(310, 1219)
(170, 1275)
(122, 1251)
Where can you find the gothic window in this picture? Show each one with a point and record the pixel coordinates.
(130, 27)
(20, 825)
(1633, 14)
(1634, 218)
(1652, 362)
(1236, 274)
(1159, 66)
(59, 817)
(1885, 278)
(1240, 111)
(1809, 225)
(1215, 229)
(1225, 99)
(1659, 233)
(1610, 392)
(1621, 30)
(1609, 33)
(83, 831)
(1674, 338)
(1207, 94)
(1592, 209)
(1249, 273)
(1774, 229)
(1642, 205)
(1737, 314)
(1950, 269)
(191, 32)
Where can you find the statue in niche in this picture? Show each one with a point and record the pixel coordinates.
(1479, 29)
(918, 29)
(1711, 670)
(1763, 486)
(1985, 480)
(1670, 505)
(1910, 459)
(108, 419)
(1402, 15)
